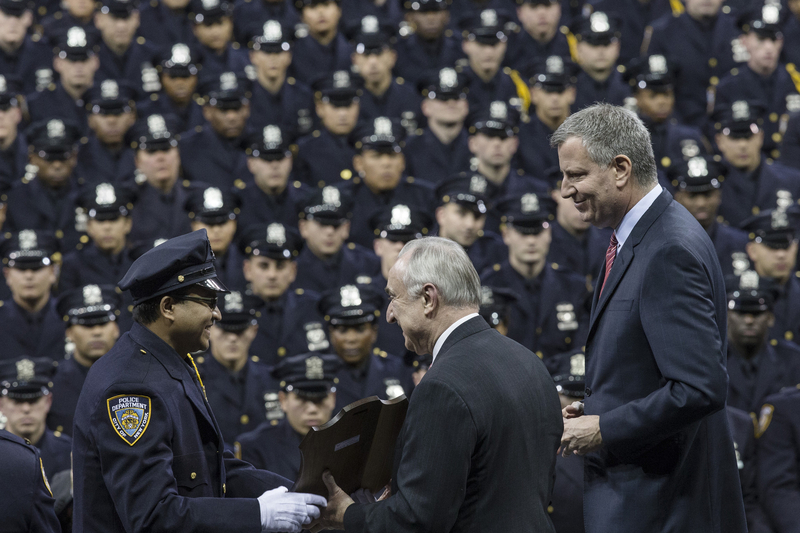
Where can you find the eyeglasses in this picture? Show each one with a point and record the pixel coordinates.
(210, 302)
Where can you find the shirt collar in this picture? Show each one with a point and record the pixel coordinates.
(633, 216)
(447, 332)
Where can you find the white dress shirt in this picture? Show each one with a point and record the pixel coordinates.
(633, 216)
(447, 332)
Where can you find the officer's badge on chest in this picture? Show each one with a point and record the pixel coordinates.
(315, 336)
(567, 319)
(393, 388)
(130, 416)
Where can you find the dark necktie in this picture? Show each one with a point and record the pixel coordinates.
(611, 254)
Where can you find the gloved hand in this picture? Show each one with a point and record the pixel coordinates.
(282, 510)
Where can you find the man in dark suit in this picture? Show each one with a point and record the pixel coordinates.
(658, 451)
(471, 458)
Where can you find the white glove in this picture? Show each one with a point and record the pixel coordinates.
(282, 510)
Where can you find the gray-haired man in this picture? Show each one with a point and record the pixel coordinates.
(478, 446)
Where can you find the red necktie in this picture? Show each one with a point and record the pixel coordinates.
(611, 254)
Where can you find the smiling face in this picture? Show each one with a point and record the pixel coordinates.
(353, 344)
(406, 312)
(193, 321)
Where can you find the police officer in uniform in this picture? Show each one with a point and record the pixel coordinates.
(25, 399)
(275, 195)
(634, 17)
(697, 185)
(790, 147)
(22, 54)
(91, 313)
(146, 398)
(496, 307)
(29, 323)
(326, 261)
(756, 367)
(550, 315)
(30, 504)
(320, 49)
(540, 35)
(278, 98)
(441, 150)
(307, 397)
(73, 13)
(237, 383)
(111, 114)
(217, 211)
(381, 181)
(212, 24)
(288, 320)
(326, 156)
(352, 313)
(13, 145)
(388, 14)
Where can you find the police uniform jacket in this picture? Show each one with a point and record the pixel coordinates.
(346, 266)
(162, 27)
(292, 107)
(259, 207)
(524, 49)
(209, 158)
(730, 244)
(702, 52)
(237, 400)
(399, 101)
(324, 159)
(790, 149)
(778, 474)
(419, 60)
(159, 215)
(409, 191)
(791, 38)
(567, 498)
(613, 90)
(429, 159)
(189, 117)
(535, 155)
(35, 335)
(290, 325)
(312, 60)
(772, 368)
(14, 159)
(584, 255)
(634, 17)
(481, 94)
(787, 312)
(746, 193)
(549, 317)
(230, 60)
(27, 504)
(671, 140)
(188, 481)
(274, 447)
(250, 15)
(486, 251)
(95, 159)
(54, 449)
(32, 64)
(383, 376)
(55, 102)
(135, 66)
(67, 385)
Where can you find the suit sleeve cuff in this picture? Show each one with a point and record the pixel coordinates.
(354, 518)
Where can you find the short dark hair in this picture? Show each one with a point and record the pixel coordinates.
(148, 311)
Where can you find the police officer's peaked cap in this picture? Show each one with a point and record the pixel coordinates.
(54, 138)
(177, 263)
(697, 174)
(529, 212)
(208, 11)
(213, 205)
(597, 29)
(226, 90)
(568, 370)
(654, 72)
(110, 97)
(309, 374)
(750, 293)
(15, 8)
(156, 132)
(238, 311)
(498, 119)
(775, 228)
(26, 378)
(300, 4)
(75, 43)
(10, 89)
(271, 143)
(179, 60)
(119, 8)
(764, 19)
(488, 26)
(370, 36)
(339, 88)
(469, 189)
(552, 73)
(400, 223)
(274, 240)
(426, 6)
(445, 84)
(382, 134)
(329, 205)
(29, 249)
(90, 305)
(106, 201)
(739, 119)
(496, 303)
(271, 36)
(351, 304)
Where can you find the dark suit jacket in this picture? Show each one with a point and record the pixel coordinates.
(479, 443)
(656, 376)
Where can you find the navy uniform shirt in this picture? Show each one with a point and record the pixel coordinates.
(613, 90)
(232, 59)
(214, 160)
(259, 207)
(409, 191)
(418, 59)
(634, 17)
(772, 368)
(567, 495)
(159, 215)
(27, 502)
(703, 53)
(430, 160)
(790, 149)
(66, 389)
(292, 108)
(135, 67)
(236, 399)
(775, 92)
(55, 102)
(39, 334)
(535, 154)
(324, 159)
(399, 101)
(189, 116)
(383, 376)
(345, 267)
(274, 447)
(32, 64)
(54, 448)
(524, 49)
(250, 15)
(312, 60)
(787, 312)
(481, 93)
(583, 255)
(163, 27)
(730, 244)
(95, 159)
(188, 479)
(746, 193)
(290, 325)
(14, 159)
(549, 317)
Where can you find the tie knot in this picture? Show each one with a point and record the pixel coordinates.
(614, 241)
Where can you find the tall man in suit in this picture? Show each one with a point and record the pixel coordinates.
(658, 452)
(477, 451)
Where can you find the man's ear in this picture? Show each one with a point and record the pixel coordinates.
(431, 295)
(622, 167)
(167, 307)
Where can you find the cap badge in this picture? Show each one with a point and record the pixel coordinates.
(448, 78)
(401, 216)
(109, 89)
(477, 184)
(228, 81)
(741, 110)
(27, 239)
(331, 195)
(25, 370)
(276, 234)
(554, 65)
(272, 135)
(159, 242)
(272, 31)
(689, 148)
(529, 203)
(76, 37)
(181, 54)
(341, 79)
(314, 368)
(393, 388)
(92, 295)
(383, 126)
(3, 84)
(157, 126)
(487, 296)
(498, 110)
(369, 24)
(212, 199)
(105, 194)
(210, 4)
(770, 14)
(598, 22)
(233, 302)
(784, 199)
(657, 64)
(698, 167)
(780, 219)
(577, 365)
(350, 296)
(748, 280)
(793, 102)
(739, 262)
(488, 17)
(56, 128)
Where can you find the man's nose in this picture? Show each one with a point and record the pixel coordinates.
(390, 314)
(216, 314)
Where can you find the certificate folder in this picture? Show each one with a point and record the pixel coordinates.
(357, 446)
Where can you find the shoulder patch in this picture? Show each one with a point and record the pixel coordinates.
(764, 419)
(129, 415)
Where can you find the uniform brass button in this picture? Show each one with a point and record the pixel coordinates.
(244, 419)
(224, 488)
(550, 509)
(281, 351)
(712, 62)
(194, 475)
(539, 354)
